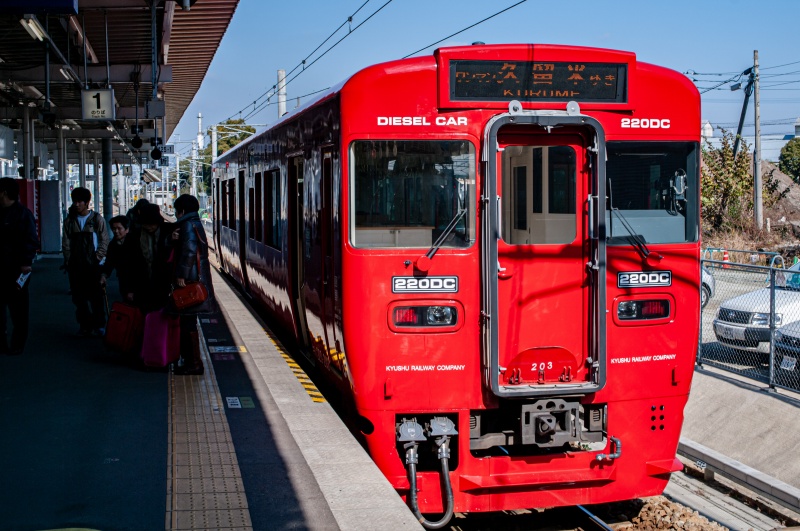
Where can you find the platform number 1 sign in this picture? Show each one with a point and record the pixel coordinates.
(98, 104)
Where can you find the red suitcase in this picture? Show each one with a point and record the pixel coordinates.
(124, 328)
(162, 337)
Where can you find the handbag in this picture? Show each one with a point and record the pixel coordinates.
(192, 294)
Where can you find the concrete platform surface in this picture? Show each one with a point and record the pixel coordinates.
(743, 420)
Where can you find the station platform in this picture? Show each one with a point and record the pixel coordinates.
(746, 421)
(90, 440)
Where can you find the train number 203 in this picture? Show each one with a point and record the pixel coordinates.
(645, 123)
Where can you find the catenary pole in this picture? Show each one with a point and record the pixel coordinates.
(194, 168)
(213, 142)
(757, 198)
(281, 93)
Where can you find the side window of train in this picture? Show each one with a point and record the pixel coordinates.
(251, 210)
(223, 203)
(232, 203)
(258, 199)
(271, 197)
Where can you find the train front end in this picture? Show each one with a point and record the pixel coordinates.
(520, 279)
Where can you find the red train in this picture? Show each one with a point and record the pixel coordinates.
(494, 253)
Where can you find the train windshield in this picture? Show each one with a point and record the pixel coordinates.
(653, 192)
(405, 193)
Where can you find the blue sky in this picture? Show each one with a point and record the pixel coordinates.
(715, 38)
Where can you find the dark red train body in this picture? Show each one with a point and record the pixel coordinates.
(493, 248)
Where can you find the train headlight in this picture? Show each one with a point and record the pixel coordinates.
(626, 310)
(762, 319)
(441, 316)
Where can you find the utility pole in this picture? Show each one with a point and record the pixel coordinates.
(758, 201)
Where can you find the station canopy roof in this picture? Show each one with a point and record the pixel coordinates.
(58, 58)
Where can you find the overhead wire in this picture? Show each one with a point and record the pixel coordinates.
(304, 63)
(259, 108)
(288, 81)
(267, 103)
(465, 29)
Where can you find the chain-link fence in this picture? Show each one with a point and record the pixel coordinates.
(751, 322)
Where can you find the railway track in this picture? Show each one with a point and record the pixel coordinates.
(689, 503)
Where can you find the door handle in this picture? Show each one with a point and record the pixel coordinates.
(503, 273)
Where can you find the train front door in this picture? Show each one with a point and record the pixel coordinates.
(296, 245)
(241, 187)
(545, 295)
(328, 220)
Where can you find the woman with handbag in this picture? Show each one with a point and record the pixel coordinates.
(193, 293)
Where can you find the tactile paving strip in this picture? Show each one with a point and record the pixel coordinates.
(204, 483)
(299, 373)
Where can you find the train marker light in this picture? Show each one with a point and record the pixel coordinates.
(405, 316)
(642, 310)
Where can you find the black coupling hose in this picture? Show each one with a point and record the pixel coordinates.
(411, 461)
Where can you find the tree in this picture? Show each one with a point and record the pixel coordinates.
(726, 184)
(230, 133)
(727, 187)
(789, 161)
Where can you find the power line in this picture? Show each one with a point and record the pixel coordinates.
(288, 81)
(465, 29)
(262, 106)
(779, 66)
(734, 78)
(267, 103)
(302, 64)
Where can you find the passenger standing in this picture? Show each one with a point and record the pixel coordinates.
(153, 243)
(134, 223)
(84, 243)
(123, 256)
(191, 265)
(18, 246)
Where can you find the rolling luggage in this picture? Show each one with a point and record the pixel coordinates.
(124, 328)
(161, 342)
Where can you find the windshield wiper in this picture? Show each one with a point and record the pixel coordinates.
(423, 262)
(636, 239)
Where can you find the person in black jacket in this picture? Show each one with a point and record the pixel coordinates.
(123, 255)
(134, 214)
(18, 246)
(191, 265)
(152, 245)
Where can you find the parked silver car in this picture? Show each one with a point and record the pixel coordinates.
(707, 286)
(743, 322)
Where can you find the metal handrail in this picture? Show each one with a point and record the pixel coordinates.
(708, 254)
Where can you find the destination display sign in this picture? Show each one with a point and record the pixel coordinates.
(537, 81)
